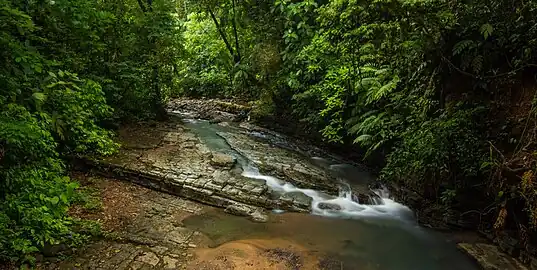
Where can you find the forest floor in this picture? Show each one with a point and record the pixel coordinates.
(145, 228)
(145, 231)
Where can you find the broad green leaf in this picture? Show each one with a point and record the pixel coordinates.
(40, 97)
(55, 200)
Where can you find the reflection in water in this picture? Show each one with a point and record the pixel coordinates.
(374, 243)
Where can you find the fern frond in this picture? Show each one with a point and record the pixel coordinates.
(462, 46)
(363, 138)
(477, 63)
(486, 30)
(377, 93)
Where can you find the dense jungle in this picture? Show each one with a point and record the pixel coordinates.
(437, 97)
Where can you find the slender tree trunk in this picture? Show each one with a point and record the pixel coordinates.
(159, 110)
(234, 22)
(221, 32)
(142, 6)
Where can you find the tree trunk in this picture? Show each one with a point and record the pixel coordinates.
(234, 22)
(159, 110)
(222, 34)
(142, 6)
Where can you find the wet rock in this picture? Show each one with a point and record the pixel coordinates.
(215, 121)
(259, 216)
(169, 262)
(197, 173)
(222, 160)
(283, 163)
(369, 198)
(254, 213)
(210, 109)
(159, 249)
(239, 209)
(219, 116)
(329, 206)
(297, 199)
(321, 162)
(490, 257)
(406, 196)
(149, 258)
(305, 176)
(353, 174)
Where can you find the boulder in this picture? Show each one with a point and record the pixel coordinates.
(297, 199)
(369, 198)
(259, 216)
(223, 160)
(329, 206)
(239, 209)
(490, 257)
(255, 214)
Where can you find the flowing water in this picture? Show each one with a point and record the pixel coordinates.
(357, 244)
(355, 236)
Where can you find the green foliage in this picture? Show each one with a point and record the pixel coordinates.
(206, 69)
(378, 68)
(446, 151)
(414, 81)
(75, 105)
(34, 194)
(68, 67)
(419, 83)
(89, 198)
(231, 49)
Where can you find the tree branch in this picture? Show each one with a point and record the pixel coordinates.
(486, 77)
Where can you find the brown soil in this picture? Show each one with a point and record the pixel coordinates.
(120, 202)
(255, 254)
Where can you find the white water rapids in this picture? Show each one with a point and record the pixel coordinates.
(349, 208)
(362, 235)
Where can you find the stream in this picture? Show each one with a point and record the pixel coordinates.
(346, 235)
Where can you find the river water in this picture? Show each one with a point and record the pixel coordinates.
(356, 236)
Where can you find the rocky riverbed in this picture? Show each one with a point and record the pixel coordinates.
(246, 171)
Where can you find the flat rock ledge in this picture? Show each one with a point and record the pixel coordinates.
(489, 257)
(281, 163)
(243, 198)
(168, 157)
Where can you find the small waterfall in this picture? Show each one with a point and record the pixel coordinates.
(346, 204)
